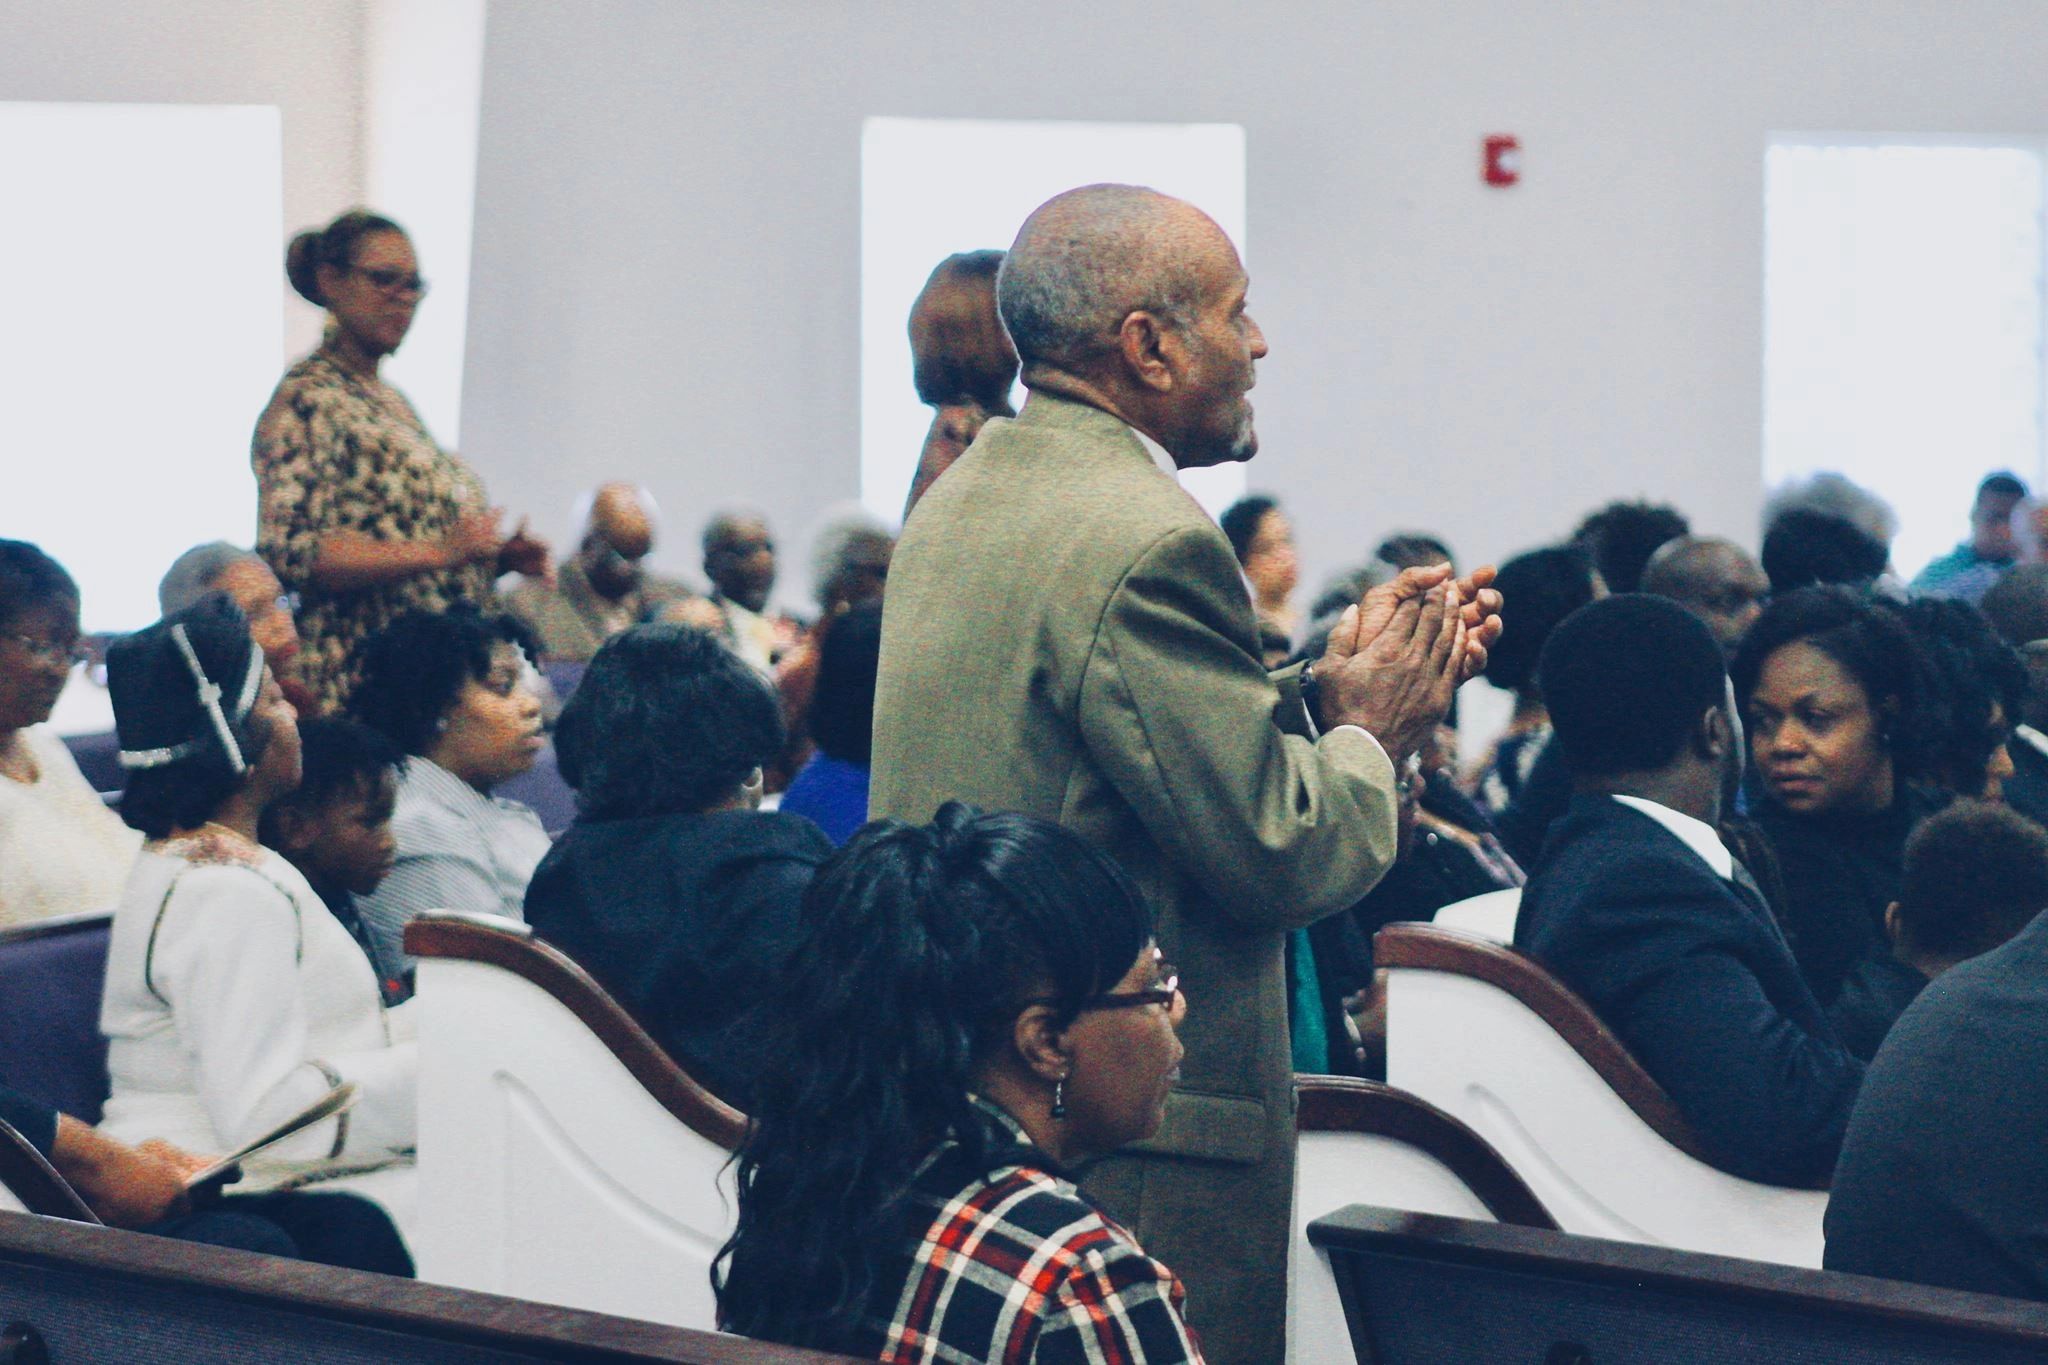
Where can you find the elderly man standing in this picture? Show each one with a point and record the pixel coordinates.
(1067, 635)
(603, 589)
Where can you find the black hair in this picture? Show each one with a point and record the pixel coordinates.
(666, 721)
(333, 245)
(188, 792)
(1538, 590)
(30, 579)
(1977, 672)
(1868, 641)
(1975, 875)
(2004, 484)
(1240, 521)
(339, 758)
(958, 349)
(414, 669)
(1413, 549)
(1626, 680)
(1623, 535)
(1804, 547)
(919, 947)
(843, 708)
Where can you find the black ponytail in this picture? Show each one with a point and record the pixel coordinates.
(920, 947)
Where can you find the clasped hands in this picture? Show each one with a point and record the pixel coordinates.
(1395, 660)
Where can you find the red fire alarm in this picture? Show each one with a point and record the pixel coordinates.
(1503, 163)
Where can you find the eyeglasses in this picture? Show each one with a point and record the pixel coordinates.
(50, 651)
(393, 281)
(1168, 989)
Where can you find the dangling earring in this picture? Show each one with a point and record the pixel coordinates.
(1059, 1098)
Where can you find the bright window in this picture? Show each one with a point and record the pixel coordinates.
(931, 187)
(144, 332)
(1903, 321)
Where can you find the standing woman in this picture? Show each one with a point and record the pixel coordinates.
(359, 511)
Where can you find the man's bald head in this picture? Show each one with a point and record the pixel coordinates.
(622, 516)
(1087, 259)
(1133, 302)
(1716, 580)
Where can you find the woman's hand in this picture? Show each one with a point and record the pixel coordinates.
(128, 1187)
(475, 539)
(525, 553)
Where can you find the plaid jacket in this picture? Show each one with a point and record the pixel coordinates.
(1016, 1266)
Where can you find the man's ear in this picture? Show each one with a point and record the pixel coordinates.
(1041, 1043)
(1711, 736)
(1150, 350)
(1893, 925)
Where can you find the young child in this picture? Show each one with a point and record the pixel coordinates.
(336, 828)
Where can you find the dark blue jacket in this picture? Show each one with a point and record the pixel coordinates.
(1943, 1176)
(1693, 975)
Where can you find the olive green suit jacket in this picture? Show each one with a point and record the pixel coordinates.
(1067, 634)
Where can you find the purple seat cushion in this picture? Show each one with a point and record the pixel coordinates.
(98, 759)
(51, 977)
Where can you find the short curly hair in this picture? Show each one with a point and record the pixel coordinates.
(1870, 642)
(666, 721)
(414, 670)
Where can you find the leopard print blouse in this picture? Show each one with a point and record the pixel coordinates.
(335, 451)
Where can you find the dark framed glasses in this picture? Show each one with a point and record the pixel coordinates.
(393, 281)
(1164, 993)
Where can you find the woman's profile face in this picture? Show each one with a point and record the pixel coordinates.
(36, 647)
(375, 297)
(492, 733)
(1125, 1060)
(1816, 738)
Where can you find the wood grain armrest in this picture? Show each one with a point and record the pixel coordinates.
(513, 948)
(1345, 1104)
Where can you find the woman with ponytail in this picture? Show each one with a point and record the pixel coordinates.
(974, 1006)
(360, 512)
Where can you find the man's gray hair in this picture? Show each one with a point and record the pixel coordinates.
(193, 575)
(1083, 262)
(1836, 496)
(842, 530)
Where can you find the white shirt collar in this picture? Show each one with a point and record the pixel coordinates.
(2033, 737)
(1158, 454)
(1696, 835)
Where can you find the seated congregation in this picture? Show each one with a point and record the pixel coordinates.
(1772, 824)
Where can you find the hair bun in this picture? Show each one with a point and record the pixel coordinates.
(302, 266)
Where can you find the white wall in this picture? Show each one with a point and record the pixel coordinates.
(668, 207)
(304, 57)
(423, 67)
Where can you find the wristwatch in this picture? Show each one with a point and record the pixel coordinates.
(1312, 697)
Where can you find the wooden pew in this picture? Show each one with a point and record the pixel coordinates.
(1488, 1035)
(73, 1293)
(1422, 1288)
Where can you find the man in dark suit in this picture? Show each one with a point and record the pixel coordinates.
(1638, 906)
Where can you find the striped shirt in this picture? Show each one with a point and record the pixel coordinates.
(1015, 1265)
(458, 849)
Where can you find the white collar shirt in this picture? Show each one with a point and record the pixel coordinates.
(1696, 835)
